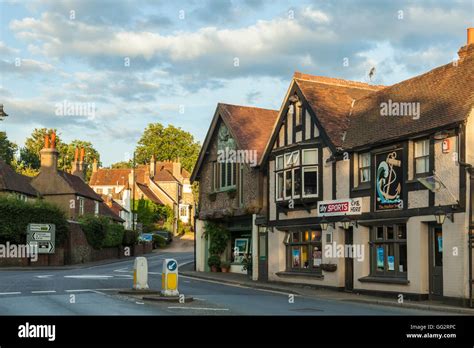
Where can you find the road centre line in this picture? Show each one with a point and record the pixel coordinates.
(200, 308)
(10, 293)
(44, 292)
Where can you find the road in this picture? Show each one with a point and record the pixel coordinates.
(94, 291)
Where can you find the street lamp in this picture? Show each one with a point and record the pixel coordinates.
(324, 224)
(441, 215)
(346, 223)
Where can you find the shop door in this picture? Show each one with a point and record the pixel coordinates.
(262, 256)
(436, 261)
(349, 262)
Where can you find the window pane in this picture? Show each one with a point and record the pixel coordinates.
(310, 180)
(288, 183)
(297, 182)
(288, 160)
(279, 179)
(305, 236)
(317, 256)
(380, 252)
(279, 162)
(391, 257)
(310, 156)
(295, 237)
(295, 159)
(402, 232)
(316, 235)
(390, 234)
(304, 256)
(364, 160)
(365, 175)
(223, 174)
(229, 174)
(422, 165)
(379, 233)
(403, 258)
(295, 257)
(422, 148)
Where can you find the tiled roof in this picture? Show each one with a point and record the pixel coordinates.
(113, 177)
(149, 194)
(105, 210)
(445, 95)
(331, 100)
(250, 125)
(79, 186)
(12, 181)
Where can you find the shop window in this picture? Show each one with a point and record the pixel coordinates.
(389, 251)
(304, 250)
(422, 156)
(364, 167)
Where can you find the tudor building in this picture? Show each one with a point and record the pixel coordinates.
(343, 172)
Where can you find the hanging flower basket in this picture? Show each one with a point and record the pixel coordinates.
(329, 267)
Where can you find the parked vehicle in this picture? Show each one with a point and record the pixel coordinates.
(167, 235)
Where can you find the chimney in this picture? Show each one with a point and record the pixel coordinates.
(49, 154)
(152, 166)
(78, 164)
(468, 49)
(95, 165)
(177, 169)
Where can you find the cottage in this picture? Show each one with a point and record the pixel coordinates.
(68, 191)
(231, 183)
(14, 184)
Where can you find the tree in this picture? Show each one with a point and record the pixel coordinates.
(7, 148)
(167, 143)
(121, 165)
(67, 152)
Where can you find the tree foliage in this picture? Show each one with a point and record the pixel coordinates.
(7, 148)
(167, 143)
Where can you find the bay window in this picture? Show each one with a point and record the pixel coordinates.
(297, 177)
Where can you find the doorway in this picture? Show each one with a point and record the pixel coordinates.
(436, 261)
(348, 262)
(262, 256)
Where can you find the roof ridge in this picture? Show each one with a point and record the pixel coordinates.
(247, 107)
(335, 81)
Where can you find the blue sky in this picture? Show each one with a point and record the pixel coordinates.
(182, 57)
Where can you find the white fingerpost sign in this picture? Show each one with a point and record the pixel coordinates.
(42, 237)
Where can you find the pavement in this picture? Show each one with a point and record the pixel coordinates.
(93, 289)
(321, 293)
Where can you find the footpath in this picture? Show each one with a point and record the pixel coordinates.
(326, 294)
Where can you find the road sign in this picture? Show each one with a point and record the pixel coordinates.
(169, 278)
(42, 237)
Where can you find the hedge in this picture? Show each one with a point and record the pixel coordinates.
(158, 241)
(15, 215)
(95, 228)
(114, 236)
(130, 238)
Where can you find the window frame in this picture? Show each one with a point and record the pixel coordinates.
(309, 244)
(81, 206)
(425, 156)
(307, 168)
(396, 242)
(366, 167)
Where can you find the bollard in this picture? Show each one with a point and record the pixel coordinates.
(169, 278)
(140, 273)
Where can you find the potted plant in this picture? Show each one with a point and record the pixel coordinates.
(214, 262)
(225, 266)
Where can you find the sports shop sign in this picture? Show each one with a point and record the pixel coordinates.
(351, 206)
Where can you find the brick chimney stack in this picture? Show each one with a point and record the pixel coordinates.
(49, 154)
(152, 166)
(468, 49)
(78, 164)
(95, 165)
(177, 169)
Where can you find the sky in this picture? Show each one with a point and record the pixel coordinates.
(102, 70)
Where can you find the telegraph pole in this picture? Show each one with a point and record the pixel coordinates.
(133, 193)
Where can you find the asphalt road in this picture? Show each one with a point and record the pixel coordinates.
(94, 291)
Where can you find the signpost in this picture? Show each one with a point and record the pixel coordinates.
(169, 278)
(42, 237)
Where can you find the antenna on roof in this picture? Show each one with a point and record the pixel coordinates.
(371, 74)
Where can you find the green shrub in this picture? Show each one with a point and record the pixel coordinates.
(130, 238)
(114, 236)
(214, 260)
(15, 215)
(95, 228)
(158, 241)
(219, 237)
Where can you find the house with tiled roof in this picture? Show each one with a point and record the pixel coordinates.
(14, 184)
(370, 188)
(68, 191)
(231, 183)
(162, 182)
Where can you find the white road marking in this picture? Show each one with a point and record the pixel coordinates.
(90, 276)
(10, 293)
(44, 292)
(139, 302)
(44, 276)
(78, 290)
(238, 286)
(200, 308)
